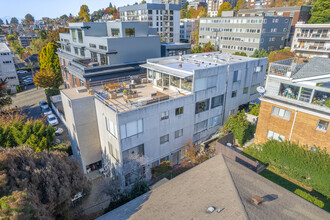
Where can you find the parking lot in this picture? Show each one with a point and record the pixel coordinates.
(28, 101)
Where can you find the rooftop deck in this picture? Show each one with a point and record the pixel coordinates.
(285, 68)
(120, 99)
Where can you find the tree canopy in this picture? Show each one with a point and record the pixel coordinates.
(49, 60)
(241, 4)
(320, 12)
(46, 78)
(29, 19)
(1, 22)
(243, 54)
(84, 13)
(226, 6)
(13, 20)
(5, 99)
(38, 185)
(260, 53)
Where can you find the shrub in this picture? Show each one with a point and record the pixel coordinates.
(309, 167)
(309, 198)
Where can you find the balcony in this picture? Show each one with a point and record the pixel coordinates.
(285, 68)
(313, 48)
(314, 36)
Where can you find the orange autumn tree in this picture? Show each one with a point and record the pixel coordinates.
(46, 78)
(190, 154)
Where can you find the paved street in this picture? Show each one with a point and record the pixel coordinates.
(28, 100)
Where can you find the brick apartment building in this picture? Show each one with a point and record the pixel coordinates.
(296, 105)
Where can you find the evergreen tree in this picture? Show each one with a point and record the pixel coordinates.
(1, 22)
(5, 99)
(13, 20)
(7, 23)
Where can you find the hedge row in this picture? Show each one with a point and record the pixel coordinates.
(309, 198)
(309, 167)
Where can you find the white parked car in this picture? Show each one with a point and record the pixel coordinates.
(59, 131)
(43, 104)
(21, 71)
(52, 120)
(47, 111)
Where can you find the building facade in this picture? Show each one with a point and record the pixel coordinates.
(7, 68)
(196, 4)
(311, 40)
(177, 2)
(175, 49)
(255, 4)
(25, 39)
(296, 105)
(183, 98)
(296, 13)
(245, 34)
(186, 27)
(96, 52)
(164, 17)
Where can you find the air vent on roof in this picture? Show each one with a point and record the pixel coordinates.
(257, 200)
(81, 89)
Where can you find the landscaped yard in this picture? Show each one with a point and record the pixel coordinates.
(296, 168)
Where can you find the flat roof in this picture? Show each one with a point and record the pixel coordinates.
(186, 64)
(76, 93)
(4, 47)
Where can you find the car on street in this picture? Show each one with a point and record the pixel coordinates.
(27, 82)
(27, 77)
(21, 71)
(46, 111)
(52, 120)
(43, 104)
(59, 131)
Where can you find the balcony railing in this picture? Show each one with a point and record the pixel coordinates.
(284, 68)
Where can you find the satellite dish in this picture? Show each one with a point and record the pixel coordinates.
(261, 90)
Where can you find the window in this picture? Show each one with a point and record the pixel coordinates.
(92, 45)
(167, 158)
(215, 121)
(282, 113)
(178, 133)
(253, 89)
(82, 52)
(110, 126)
(179, 111)
(131, 128)
(289, 91)
(164, 115)
(202, 106)
(80, 36)
(93, 57)
(237, 76)
(205, 83)
(321, 98)
(75, 50)
(74, 35)
(102, 47)
(115, 32)
(275, 136)
(69, 102)
(234, 94)
(164, 139)
(104, 59)
(155, 163)
(113, 151)
(322, 125)
(175, 81)
(245, 90)
(201, 126)
(305, 94)
(258, 68)
(217, 101)
(132, 152)
(130, 32)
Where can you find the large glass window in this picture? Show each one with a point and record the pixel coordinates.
(113, 151)
(215, 121)
(178, 133)
(175, 81)
(282, 113)
(80, 36)
(275, 136)
(202, 106)
(205, 83)
(179, 111)
(322, 125)
(104, 59)
(305, 94)
(186, 83)
(166, 80)
(321, 98)
(289, 91)
(164, 139)
(130, 32)
(201, 126)
(253, 89)
(93, 57)
(74, 35)
(132, 152)
(217, 101)
(111, 127)
(131, 128)
(115, 32)
(150, 74)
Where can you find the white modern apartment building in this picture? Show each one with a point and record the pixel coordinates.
(186, 27)
(311, 40)
(183, 98)
(164, 17)
(7, 68)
